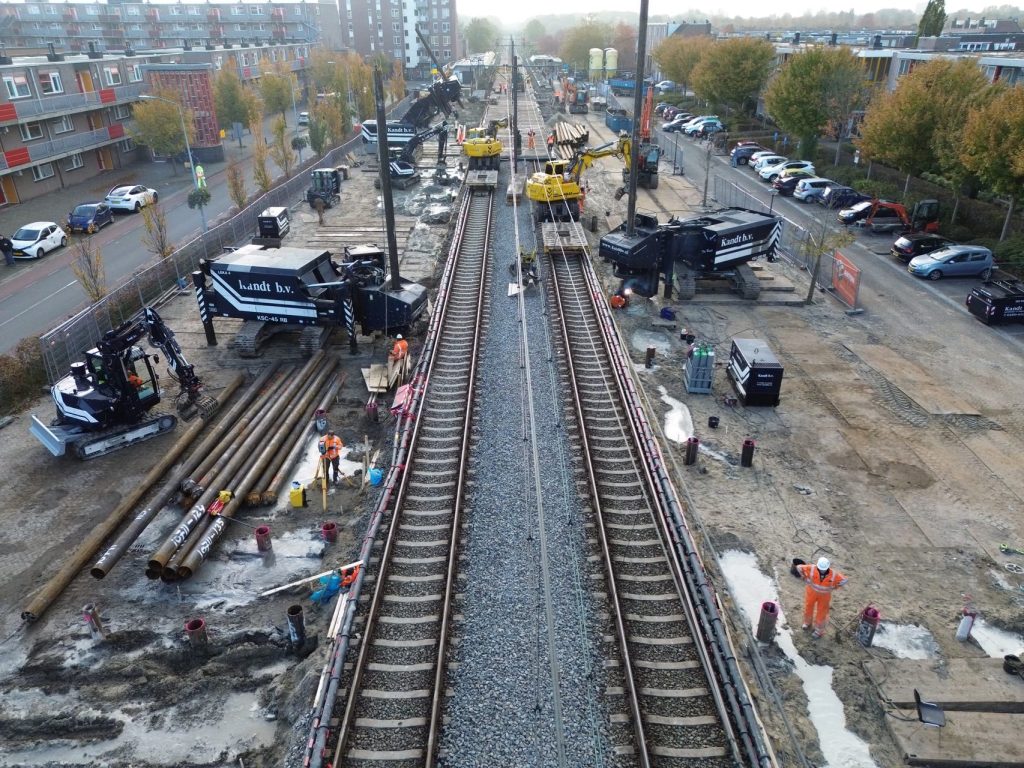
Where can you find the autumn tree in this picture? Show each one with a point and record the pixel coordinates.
(230, 101)
(276, 90)
(260, 153)
(933, 19)
(534, 31)
(236, 184)
(156, 237)
(993, 146)
(481, 35)
(579, 40)
(813, 89)
(624, 41)
(157, 124)
(734, 71)
(396, 83)
(678, 56)
(279, 150)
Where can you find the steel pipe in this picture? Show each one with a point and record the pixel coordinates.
(204, 545)
(86, 550)
(167, 491)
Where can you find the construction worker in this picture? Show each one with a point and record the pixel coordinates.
(135, 380)
(348, 577)
(822, 581)
(531, 139)
(330, 447)
(400, 350)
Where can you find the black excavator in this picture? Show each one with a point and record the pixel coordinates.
(104, 403)
(403, 166)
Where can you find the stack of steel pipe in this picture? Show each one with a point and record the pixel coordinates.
(169, 489)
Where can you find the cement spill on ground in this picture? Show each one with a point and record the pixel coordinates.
(750, 587)
(906, 641)
(678, 421)
(996, 642)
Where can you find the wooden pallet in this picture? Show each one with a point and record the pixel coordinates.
(559, 237)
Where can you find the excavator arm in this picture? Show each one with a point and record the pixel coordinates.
(162, 337)
(585, 159)
(409, 151)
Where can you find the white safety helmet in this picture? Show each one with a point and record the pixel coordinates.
(823, 564)
(399, 337)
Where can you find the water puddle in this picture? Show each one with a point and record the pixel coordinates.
(906, 641)
(641, 340)
(750, 587)
(996, 642)
(678, 421)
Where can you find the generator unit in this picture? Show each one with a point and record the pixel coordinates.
(275, 289)
(1000, 301)
(272, 225)
(714, 246)
(755, 372)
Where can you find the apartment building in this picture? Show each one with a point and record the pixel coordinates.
(63, 117)
(116, 25)
(388, 27)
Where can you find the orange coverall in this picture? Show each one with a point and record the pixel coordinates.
(400, 350)
(818, 594)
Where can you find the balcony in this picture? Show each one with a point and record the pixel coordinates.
(279, 33)
(277, 14)
(213, 15)
(153, 14)
(56, 149)
(68, 103)
(70, 14)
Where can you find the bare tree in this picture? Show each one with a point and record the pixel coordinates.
(88, 269)
(156, 239)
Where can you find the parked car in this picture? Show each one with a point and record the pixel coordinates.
(743, 151)
(665, 85)
(89, 217)
(660, 107)
(704, 128)
(953, 261)
(842, 197)
(810, 190)
(35, 240)
(677, 123)
(669, 113)
(908, 246)
(786, 181)
(767, 159)
(303, 118)
(857, 212)
(130, 198)
(769, 171)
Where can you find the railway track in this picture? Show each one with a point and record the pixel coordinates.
(667, 709)
(396, 686)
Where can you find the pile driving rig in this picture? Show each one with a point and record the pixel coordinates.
(103, 404)
(403, 167)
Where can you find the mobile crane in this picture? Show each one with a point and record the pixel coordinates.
(556, 190)
(483, 148)
(103, 404)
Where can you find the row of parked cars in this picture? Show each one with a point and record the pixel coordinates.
(35, 240)
(677, 120)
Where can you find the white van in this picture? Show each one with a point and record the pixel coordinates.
(811, 190)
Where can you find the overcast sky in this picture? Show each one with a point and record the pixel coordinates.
(521, 10)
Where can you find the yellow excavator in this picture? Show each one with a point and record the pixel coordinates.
(555, 191)
(482, 146)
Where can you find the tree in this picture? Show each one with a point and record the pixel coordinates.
(993, 146)
(279, 150)
(733, 72)
(624, 41)
(578, 41)
(156, 239)
(396, 83)
(157, 125)
(230, 101)
(933, 20)
(480, 35)
(678, 56)
(236, 184)
(260, 153)
(813, 89)
(276, 90)
(534, 31)
(88, 269)
(328, 126)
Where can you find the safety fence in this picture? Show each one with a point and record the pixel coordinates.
(836, 273)
(65, 344)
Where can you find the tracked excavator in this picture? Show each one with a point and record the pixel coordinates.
(650, 153)
(555, 191)
(104, 404)
(403, 167)
(713, 246)
(482, 146)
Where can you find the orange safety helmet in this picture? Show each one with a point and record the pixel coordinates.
(618, 301)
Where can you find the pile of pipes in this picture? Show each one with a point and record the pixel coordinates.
(244, 459)
(569, 138)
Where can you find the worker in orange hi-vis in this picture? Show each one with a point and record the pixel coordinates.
(822, 580)
(348, 577)
(400, 350)
(531, 139)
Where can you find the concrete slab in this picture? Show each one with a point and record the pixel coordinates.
(976, 685)
(968, 740)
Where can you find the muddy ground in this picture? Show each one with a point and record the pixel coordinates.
(895, 450)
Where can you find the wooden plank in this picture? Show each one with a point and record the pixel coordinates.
(376, 378)
(978, 684)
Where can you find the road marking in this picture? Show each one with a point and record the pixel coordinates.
(41, 301)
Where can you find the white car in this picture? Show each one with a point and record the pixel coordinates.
(762, 153)
(130, 198)
(770, 171)
(36, 239)
(765, 159)
(303, 118)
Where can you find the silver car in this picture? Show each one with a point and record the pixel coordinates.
(953, 261)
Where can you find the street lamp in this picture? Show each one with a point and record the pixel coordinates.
(188, 148)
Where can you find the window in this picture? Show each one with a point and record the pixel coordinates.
(128, 145)
(92, 10)
(446, 54)
(112, 75)
(395, 27)
(175, 10)
(62, 125)
(261, 27)
(97, 26)
(444, 13)
(17, 86)
(44, 171)
(135, 27)
(446, 40)
(193, 10)
(135, 73)
(30, 131)
(397, 40)
(133, 10)
(54, 25)
(395, 13)
(445, 27)
(255, 10)
(34, 10)
(74, 162)
(121, 112)
(237, 10)
(273, 54)
(298, 11)
(245, 59)
(49, 82)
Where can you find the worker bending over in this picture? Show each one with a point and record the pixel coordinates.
(821, 581)
(400, 351)
(330, 448)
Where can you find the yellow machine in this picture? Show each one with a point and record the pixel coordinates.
(555, 191)
(482, 146)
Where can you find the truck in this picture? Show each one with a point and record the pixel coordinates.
(716, 245)
(999, 301)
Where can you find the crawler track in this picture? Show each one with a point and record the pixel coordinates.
(396, 686)
(669, 709)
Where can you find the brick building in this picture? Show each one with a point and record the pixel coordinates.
(194, 83)
(372, 27)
